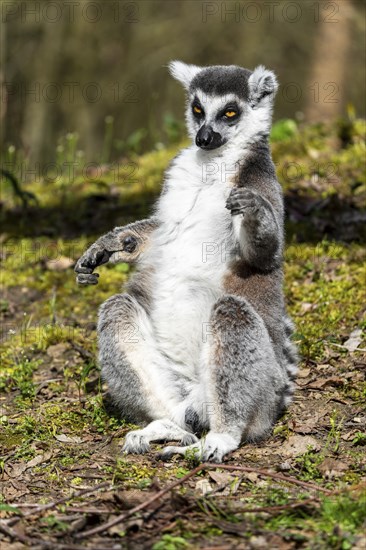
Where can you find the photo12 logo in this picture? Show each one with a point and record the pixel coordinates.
(70, 92)
(253, 12)
(69, 11)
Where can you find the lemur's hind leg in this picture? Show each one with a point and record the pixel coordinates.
(243, 383)
(134, 371)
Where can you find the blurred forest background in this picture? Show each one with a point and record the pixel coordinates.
(94, 72)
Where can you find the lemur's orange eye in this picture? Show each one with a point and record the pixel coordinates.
(197, 110)
(230, 114)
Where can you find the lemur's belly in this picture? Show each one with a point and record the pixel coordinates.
(180, 318)
(190, 255)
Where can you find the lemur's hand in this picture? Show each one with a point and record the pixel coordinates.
(262, 245)
(248, 203)
(95, 255)
(100, 253)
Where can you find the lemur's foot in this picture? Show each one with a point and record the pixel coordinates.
(211, 448)
(246, 202)
(138, 441)
(188, 439)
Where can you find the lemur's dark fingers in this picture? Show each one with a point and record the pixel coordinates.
(248, 197)
(241, 200)
(85, 264)
(241, 195)
(241, 204)
(242, 191)
(87, 279)
(102, 257)
(100, 254)
(81, 269)
(92, 259)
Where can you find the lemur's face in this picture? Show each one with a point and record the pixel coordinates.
(226, 104)
(214, 119)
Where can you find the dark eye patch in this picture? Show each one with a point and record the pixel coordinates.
(197, 108)
(230, 107)
(197, 111)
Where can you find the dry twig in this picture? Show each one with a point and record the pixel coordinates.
(50, 505)
(201, 467)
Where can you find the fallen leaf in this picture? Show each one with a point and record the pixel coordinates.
(17, 469)
(40, 459)
(303, 382)
(354, 340)
(331, 468)
(228, 483)
(303, 373)
(325, 366)
(251, 476)
(57, 350)
(306, 428)
(60, 264)
(349, 435)
(14, 490)
(323, 382)
(221, 478)
(203, 487)
(66, 439)
(126, 499)
(297, 445)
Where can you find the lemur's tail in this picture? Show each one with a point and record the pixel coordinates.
(291, 359)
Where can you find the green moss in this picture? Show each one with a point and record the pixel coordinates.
(18, 372)
(335, 524)
(328, 280)
(283, 130)
(133, 475)
(169, 542)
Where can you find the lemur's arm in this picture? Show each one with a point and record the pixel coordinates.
(123, 244)
(258, 226)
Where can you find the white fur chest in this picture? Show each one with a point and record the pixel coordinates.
(189, 252)
(195, 239)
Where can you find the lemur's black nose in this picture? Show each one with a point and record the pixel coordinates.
(208, 139)
(204, 137)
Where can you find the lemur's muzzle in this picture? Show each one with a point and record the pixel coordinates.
(206, 138)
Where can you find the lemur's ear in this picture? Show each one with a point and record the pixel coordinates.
(183, 72)
(262, 83)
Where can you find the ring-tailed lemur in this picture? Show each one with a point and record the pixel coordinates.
(200, 341)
